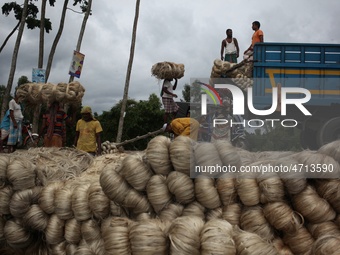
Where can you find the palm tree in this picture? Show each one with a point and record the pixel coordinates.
(14, 59)
(128, 74)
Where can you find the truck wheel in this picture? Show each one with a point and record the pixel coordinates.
(329, 132)
(308, 139)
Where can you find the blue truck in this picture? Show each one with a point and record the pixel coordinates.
(315, 67)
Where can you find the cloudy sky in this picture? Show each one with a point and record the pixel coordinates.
(182, 31)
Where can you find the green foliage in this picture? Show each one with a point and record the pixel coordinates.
(274, 139)
(186, 93)
(22, 80)
(31, 20)
(141, 118)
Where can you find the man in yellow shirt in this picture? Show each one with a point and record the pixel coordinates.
(183, 126)
(88, 133)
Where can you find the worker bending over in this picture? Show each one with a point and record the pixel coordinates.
(183, 126)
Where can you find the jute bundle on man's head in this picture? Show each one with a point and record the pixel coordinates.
(167, 70)
(35, 93)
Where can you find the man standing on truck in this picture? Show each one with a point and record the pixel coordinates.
(256, 38)
(230, 48)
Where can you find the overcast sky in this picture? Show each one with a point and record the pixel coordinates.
(181, 31)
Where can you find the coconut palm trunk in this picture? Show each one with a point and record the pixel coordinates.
(82, 30)
(128, 74)
(14, 60)
(56, 40)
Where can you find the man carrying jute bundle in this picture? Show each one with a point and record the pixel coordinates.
(53, 125)
(183, 126)
(170, 107)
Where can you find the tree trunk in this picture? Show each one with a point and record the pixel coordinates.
(42, 34)
(14, 60)
(9, 36)
(128, 74)
(56, 40)
(82, 30)
(37, 108)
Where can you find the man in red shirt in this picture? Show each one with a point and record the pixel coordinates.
(53, 125)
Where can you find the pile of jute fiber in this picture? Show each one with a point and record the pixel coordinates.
(36, 93)
(240, 74)
(146, 203)
(167, 70)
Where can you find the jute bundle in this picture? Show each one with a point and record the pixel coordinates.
(167, 70)
(136, 202)
(312, 207)
(248, 189)
(73, 232)
(228, 154)
(147, 237)
(5, 198)
(281, 216)
(206, 192)
(158, 192)
(181, 154)
(90, 231)
(324, 228)
(35, 218)
(184, 234)
(226, 189)
(21, 173)
(232, 213)
(171, 212)
(328, 244)
(194, 209)
(47, 197)
(63, 202)
(35, 93)
(311, 159)
(181, 186)
(252, 220)
(99, 203)
(16, 235)
(300, 242)
(136, 172)
(4, 162)
(329, 190)
(54, 232)
(116, 236)
(216, 238)
(113, 185)
(252, 244)
(157, 154)
(206, 158)
(271, 188)
(80, 202)
(294, 182)
(22, 200)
